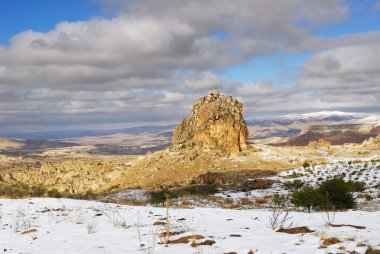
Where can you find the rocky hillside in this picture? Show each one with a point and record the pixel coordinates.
(335, 134)
(216, 122)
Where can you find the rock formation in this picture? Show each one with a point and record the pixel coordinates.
(321, 143)
(372, 142)
(215, 122)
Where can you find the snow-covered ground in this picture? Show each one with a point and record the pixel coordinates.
(74, 226)
(367, 172)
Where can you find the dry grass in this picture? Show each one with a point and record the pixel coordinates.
(329, 241)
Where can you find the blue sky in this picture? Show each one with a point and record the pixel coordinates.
(42, 16)
(152, 59)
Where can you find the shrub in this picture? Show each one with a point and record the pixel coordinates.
(14, 190)
(336, 192)
(279, 200)
(88, 195)
(160, 196)
(371, 250)
(37, 191)
(203, 190)
(367, 197)
(356, 186)
(306, 164)
(294, 185)
(54, 193)
(255, 184)
(307, 197)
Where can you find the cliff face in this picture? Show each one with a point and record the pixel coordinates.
(215, 122)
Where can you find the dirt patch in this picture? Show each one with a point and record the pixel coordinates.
(207, 242)
(28, 231)
(187, 239)
(159, 223)
(296, 230)
(347, 225)
(171, 233)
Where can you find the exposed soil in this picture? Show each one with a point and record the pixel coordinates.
(296, 230)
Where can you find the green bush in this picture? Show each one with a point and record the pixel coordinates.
(294, 185)
(356, 186)
(307, 197)
(336, 192)
(330, 193)
(157, 197)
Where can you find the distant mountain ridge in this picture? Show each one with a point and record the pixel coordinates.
(66, 134)
(292, 124)
(260, 128)
(335, 134)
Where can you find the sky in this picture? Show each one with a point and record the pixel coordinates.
(104, 64)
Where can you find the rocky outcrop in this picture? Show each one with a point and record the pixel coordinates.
(70, 176)
(321, 143)
(215, 122)
(375, 142)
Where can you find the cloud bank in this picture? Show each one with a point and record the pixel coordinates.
(154, 58)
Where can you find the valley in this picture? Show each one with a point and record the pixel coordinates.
(166, 190)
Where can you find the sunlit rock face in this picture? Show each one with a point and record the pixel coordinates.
(215, 122)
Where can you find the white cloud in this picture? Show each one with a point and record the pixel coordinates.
(345, 61)
(150, 62)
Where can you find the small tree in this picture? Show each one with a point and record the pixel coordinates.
(337, 193)
(307, 197)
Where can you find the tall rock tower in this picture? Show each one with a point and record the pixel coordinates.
(215, 122)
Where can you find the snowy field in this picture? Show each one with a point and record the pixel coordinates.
(367, 172)
(76, 226)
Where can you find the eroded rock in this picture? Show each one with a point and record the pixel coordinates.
(215, 122)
